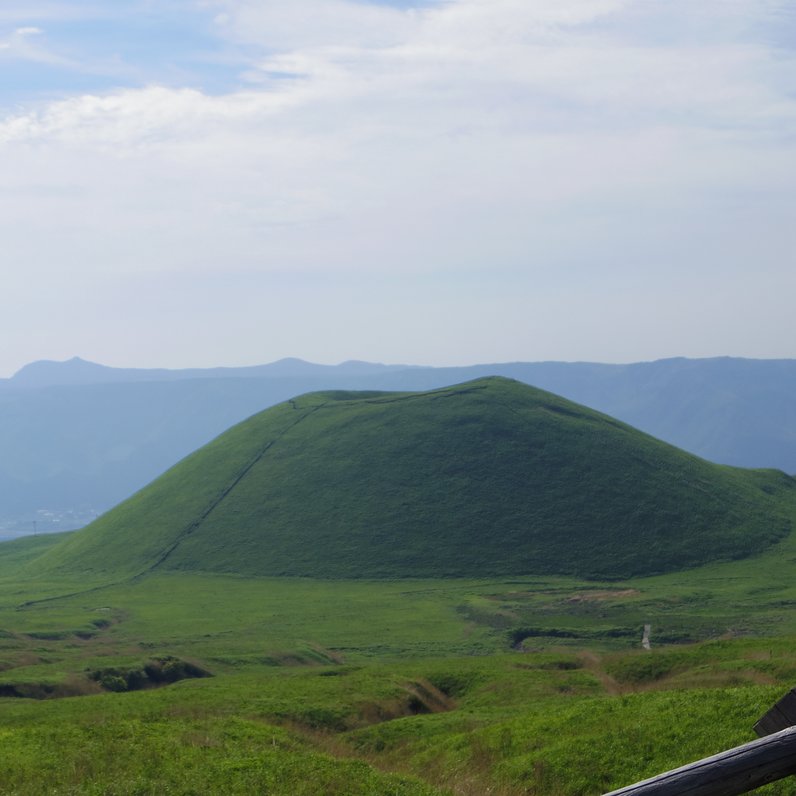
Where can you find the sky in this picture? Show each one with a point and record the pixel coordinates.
(188, 183)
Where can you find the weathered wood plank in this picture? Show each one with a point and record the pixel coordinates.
(730, 773)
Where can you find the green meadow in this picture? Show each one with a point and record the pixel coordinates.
(446, 686)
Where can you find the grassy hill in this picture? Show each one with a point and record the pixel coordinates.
(488, 478)
(77, 436)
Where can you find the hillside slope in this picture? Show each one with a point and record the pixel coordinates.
(486, 478)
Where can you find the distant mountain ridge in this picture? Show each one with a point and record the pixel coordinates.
(77, 434)
(50, 373)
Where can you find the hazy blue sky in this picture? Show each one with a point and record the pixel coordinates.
(201, 182)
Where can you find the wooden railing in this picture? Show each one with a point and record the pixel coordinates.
(738, 770)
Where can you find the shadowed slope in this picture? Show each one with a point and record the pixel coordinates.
(487, 478)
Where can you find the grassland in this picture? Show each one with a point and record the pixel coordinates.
(444, 686)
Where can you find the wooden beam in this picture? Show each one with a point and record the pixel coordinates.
(730, 773)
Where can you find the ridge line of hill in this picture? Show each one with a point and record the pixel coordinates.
(193, 526)
(435, 394)
(53, 598)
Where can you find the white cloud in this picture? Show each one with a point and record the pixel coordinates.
(24, 44)
(549, 144)
(528, 61)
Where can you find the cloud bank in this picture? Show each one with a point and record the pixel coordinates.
(600, 179)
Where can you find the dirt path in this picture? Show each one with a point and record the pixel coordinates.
(593, 663)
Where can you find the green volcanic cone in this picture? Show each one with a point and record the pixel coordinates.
(486, 478)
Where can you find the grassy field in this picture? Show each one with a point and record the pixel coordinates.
(507, 686)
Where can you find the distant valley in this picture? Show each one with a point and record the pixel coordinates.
(79, 437)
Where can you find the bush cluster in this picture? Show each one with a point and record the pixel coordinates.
(156, 672)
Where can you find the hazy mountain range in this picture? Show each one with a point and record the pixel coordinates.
(76, 435)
